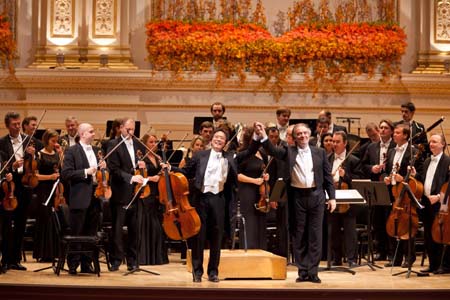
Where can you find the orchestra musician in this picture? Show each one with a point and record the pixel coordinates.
(79, 168)
(217, 112)
(29, 125)
(333, 127)
(15, 142)
(206, 131)
(308, 176)
(5, 218)
(398, 161)
(373, 133)
(436, 172)
(344, 169)
(122, 164)
(283, 116)
(70, 137)
(373, 164)
(46, 237)
(322, 127)
(215, 172)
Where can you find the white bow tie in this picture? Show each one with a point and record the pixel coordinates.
(399, 148)
(434, 158)
(341, 156)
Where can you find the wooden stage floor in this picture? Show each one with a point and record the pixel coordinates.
(176, 283)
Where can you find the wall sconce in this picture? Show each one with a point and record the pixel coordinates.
(447, 65)
(104, 59)
(60, 59)
(83, 55)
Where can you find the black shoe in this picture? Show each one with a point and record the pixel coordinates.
(197, 278)
(131, 267)
(336, 263)
(314, 279)
(17, 266)
(302, 278)
(213, 278)
(72, 271)
(379, 256)
(114, 267)
(406, 265)
(87, 270)
(389, 264)
(428, 270)
(352, 264)
(441, 271)
(3, 269)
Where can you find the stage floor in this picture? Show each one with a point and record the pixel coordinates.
(175, 278)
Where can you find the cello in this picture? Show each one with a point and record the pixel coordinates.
(180, 219)
(440, 230)
(403, 215)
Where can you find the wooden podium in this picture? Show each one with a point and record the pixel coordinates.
(238, 264)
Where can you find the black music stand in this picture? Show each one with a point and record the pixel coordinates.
(138, 236)
(413, 199)
(377, 194)
(236, 223)
(342, 197)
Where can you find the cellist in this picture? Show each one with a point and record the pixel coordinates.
(212, 169)
(398, 161)
(434, 174)
(344, 169)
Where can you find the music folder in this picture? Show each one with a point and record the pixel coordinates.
(278, 193)
(349, 197)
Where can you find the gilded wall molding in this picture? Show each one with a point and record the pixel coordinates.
(62, 18)
(442, 21)
(104, 18)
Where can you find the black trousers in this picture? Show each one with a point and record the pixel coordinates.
(121, 217)
(347, 221)
(211, 210)
(309, 210)
(19, 217)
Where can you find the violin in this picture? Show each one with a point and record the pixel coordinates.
(9, 201)
(264, 193)
(30, 178)
(59, 192)
(143, 172)
(403, 212)
(180, 219)
(103, 189)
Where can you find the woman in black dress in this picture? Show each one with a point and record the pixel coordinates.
(250, 178)
(153, 250)
(46, 237)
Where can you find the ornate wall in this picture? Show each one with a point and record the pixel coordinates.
(82, 30)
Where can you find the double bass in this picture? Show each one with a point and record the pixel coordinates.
(403, 215)
(180, 219)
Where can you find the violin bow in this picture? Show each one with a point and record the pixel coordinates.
(179, 144)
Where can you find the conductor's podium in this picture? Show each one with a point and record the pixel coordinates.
(238, 264)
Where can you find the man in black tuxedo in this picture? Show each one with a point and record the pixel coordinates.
(5, 219)
(373, 165)
(333, 127)
(373, 133)
(217, 112)
(79, 170)
(307, 179)
(122, 163)
(29, 126)
(436, 172)
(71, 137)
(11, 142)
(399, 159)
(344, 168)
(215, 172)
(408, 110)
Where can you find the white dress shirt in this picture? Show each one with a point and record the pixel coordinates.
(302, 175)
(384, 147)
(338, 159)
(129, 143)
(216, 173)
(18, 150)
(92, 159)
(431, 171)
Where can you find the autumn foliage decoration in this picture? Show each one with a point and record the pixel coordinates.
(7, 44)
(326, 53)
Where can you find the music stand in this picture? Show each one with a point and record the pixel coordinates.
(236, 222)
(376, 193)
(342, 197)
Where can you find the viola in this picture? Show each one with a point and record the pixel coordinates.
(103, 189)
(145, 191)
(30, 179)
(180, 219)
(403, 213)
(440, 230)
(9, 201)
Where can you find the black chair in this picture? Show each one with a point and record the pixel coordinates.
(87, 245)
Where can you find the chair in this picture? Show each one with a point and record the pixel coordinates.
(88, 245)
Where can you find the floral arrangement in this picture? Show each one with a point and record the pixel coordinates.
(325, 51)
(7, 44)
